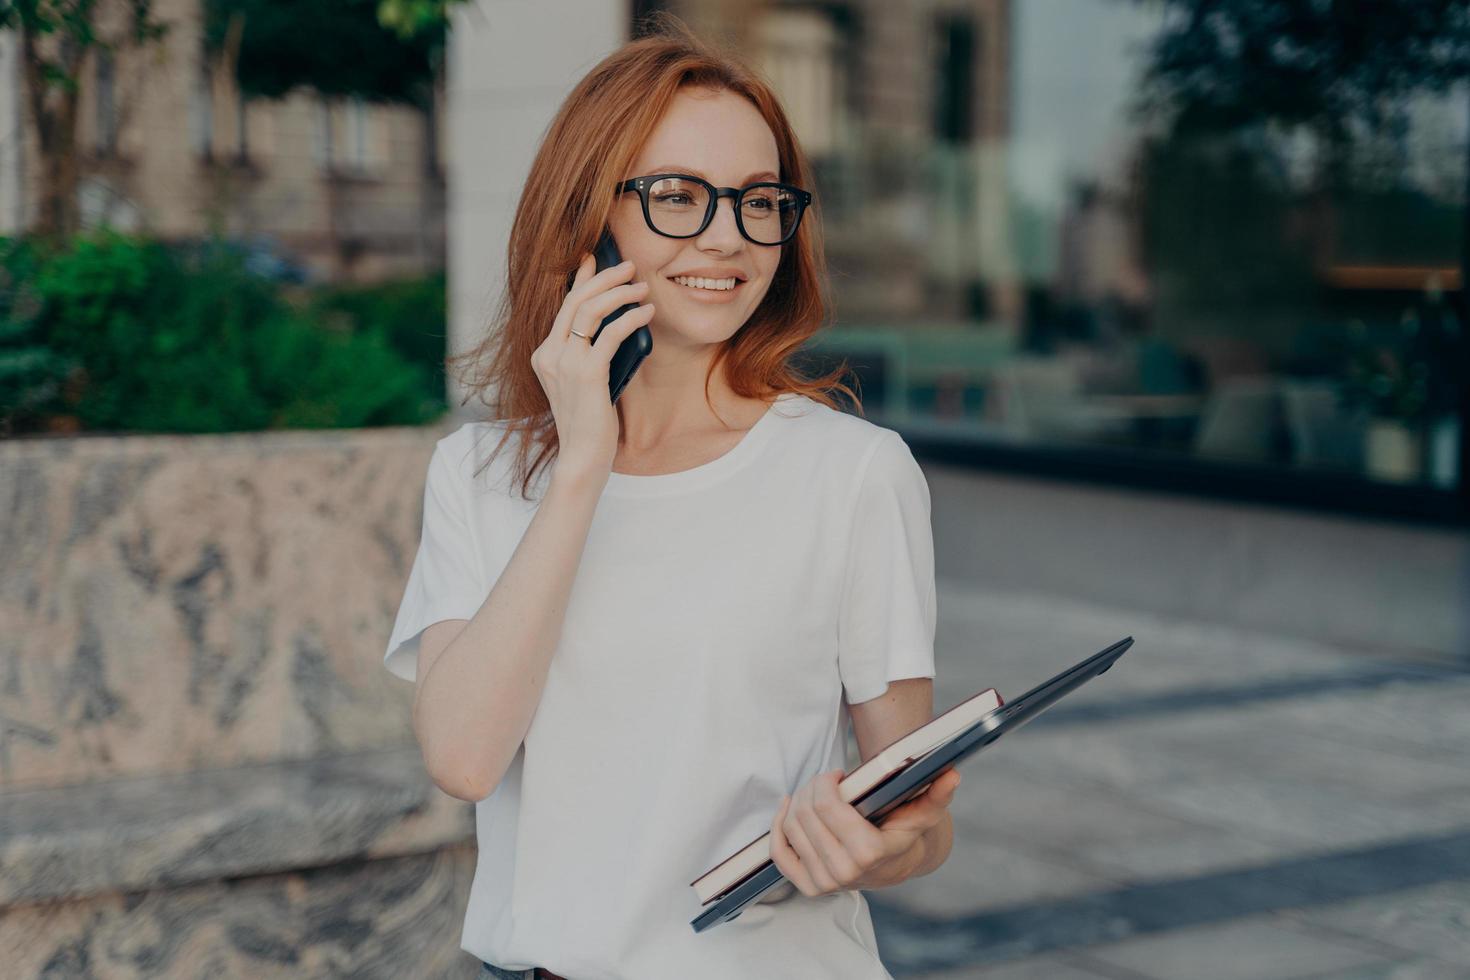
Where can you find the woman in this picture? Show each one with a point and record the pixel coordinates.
(639, 667)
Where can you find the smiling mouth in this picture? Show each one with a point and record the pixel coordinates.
(708, 289)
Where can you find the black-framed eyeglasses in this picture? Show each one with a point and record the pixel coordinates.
(682, 206)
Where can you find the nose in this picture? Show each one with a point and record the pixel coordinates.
(723, 232)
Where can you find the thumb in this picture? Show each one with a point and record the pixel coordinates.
(942, 790)
(923, 811)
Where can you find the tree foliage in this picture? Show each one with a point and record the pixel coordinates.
(337, 47)
(1220, 65)
(58, 39)
(411, 18)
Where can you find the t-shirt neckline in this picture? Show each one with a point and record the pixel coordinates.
(705, 474)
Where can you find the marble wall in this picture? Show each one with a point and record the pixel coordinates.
(174, 603)
(205, 770)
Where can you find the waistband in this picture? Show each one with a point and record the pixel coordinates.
(535, 973)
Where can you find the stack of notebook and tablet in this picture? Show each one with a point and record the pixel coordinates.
(895, 775)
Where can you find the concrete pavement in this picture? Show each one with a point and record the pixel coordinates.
(1222, 804)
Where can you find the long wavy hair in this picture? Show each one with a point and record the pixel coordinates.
(591, 143)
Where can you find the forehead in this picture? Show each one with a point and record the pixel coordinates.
(720, 135)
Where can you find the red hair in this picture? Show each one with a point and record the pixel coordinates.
(592, 141)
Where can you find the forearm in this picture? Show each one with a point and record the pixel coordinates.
(477, 698)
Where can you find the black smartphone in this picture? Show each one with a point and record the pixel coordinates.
(639, 343)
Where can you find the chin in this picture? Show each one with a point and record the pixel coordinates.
(698, 331)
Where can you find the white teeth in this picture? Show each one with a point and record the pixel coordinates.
(699, 282)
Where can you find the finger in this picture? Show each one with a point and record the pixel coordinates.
(815, 872)
(849, 842)
(924, 810)
(794, 826)
(618, 331)
(941, 790)
(561, 323)
(578, 295)
(863, 839)
(585, 269)
(836, 862)
(611, 276)
(594, 309)
(840, 866)
(787, 861)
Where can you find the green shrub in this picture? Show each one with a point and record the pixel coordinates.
(318, 378)
(31, 372)
(411, 314)
(136, 336)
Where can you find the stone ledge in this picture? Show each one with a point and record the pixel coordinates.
(162, 831)
(396, 918)
(135, 444)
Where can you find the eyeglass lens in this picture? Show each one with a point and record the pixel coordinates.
(677, 207)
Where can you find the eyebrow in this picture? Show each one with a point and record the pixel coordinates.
(667, 168)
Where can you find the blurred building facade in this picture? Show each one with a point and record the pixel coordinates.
(346, 188)
(1031, 263)
(1036, 266)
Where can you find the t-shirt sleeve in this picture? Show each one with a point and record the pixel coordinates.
(887, 614)
(444, 582)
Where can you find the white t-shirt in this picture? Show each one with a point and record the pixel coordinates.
(717, 616)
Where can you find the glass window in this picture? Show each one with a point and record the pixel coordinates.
(1090, 225)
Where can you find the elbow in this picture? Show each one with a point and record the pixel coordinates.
(463, 790)
(463, 775)
(463, 769)
(463, 782)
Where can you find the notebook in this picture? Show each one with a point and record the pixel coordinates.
(741, 878)
(748, 860)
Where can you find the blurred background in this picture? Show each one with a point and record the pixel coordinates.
(1167, 296)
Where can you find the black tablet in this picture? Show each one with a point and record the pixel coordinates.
(910, 782)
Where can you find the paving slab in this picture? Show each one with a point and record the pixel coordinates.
(1035, 968)
(1315, 817)
(1259, 948)
(1164, 858)
(1412, 969)
(983, 873)
(1433, 920)
(1429, 721)
(1004, 791)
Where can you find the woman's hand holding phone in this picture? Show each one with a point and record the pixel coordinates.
(574, 371)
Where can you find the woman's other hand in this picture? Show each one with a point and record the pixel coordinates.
(823, 844)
